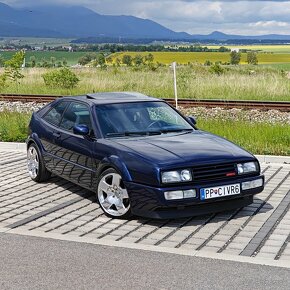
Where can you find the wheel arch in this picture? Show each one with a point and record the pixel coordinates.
(116, 163)
(33, 139)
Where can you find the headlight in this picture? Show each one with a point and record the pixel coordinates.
(247, 167)
(176, 176)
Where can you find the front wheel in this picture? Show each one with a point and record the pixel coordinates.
(112, 195)
(35, 164)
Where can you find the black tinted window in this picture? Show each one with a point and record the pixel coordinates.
(76, 114)
(54, 115)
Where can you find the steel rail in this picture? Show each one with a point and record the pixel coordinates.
(185, 103)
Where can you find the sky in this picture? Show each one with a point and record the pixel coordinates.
(192, 16)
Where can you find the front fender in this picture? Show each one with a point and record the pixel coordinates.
(116, 163)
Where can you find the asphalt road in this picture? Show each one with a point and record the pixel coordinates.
(37, 263)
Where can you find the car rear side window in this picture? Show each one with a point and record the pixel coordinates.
(76, 114)
(53, 116)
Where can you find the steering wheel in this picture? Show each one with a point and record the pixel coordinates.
(159, 122)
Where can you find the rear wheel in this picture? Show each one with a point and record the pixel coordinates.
(112, 195)
(35, 164)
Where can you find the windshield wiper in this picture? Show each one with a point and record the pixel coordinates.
(175, 130)
(141, 133)
(146, 133)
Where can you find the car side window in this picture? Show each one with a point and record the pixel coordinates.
(53, 116)
(76, 114)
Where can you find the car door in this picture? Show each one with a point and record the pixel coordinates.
(74, 158)
(47, 133)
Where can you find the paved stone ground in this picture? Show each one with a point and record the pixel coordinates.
(58, 207)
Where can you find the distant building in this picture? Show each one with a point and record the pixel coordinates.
(69, 48)
(235, 49)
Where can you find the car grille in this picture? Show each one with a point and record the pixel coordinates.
(214, 172)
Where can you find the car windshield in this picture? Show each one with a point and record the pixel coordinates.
(140, 119)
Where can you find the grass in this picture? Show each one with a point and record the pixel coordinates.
(257, 138)
(13, 126)
(241, 83)
(201, 57)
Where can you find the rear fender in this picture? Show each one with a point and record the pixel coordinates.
(33, 138)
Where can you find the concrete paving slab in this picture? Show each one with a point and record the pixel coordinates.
(58, 209)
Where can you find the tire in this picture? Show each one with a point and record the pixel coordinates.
(112, 195)
(35, 164)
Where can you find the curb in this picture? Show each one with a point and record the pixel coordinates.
(14, 146)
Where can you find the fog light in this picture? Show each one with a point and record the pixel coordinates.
(170, 195)
(180, 194)
(189, 193)
(252, 184)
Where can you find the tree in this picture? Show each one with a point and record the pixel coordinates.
(149, 58)
(252, 58)
(127, 59)
(64, 62)
(101, 60)
(2, 60)
(109, 59)
(138, 60)
(13, 66)
(33, 61)
(235, 57)
(118, 61)
(223, 49)
(207, 63)
(53, 60)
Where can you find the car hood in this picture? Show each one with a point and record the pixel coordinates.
(198, 147)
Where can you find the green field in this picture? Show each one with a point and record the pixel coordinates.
(71, 57)
(197, 82)
(201, 57)
(36, 41)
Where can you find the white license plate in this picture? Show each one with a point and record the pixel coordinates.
(220, 191)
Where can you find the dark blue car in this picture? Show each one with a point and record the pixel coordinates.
(140, 156)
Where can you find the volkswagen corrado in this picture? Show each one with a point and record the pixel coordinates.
(140, 156)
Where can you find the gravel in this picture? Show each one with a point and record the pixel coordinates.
(256, 116)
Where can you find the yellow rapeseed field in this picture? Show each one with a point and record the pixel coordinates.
(284, 48)
(201, 57)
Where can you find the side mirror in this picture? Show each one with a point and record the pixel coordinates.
(82, 130)
(191, 120)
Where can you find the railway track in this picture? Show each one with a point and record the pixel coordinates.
(186, 103)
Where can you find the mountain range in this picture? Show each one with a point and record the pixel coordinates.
(81, 22)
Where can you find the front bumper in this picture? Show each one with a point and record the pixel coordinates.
(150, 202)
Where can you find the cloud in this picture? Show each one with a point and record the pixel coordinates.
(193, 16)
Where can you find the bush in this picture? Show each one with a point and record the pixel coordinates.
(62, 78)
(216, 69)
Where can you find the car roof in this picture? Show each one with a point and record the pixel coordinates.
(114, 97)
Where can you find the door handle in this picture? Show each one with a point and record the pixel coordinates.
(56, 135)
